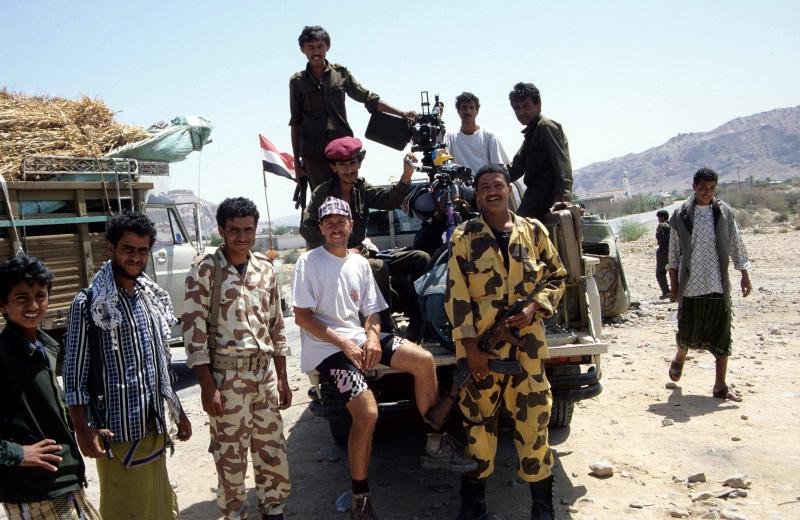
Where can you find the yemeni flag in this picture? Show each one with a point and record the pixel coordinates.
(275, 161)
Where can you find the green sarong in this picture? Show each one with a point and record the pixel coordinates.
(134, 485)
(705, 324)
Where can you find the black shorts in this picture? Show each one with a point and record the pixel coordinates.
(349, 380)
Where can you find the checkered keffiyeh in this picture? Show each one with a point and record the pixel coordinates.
(334, 206)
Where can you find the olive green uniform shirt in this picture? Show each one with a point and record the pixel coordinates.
(318, 106)
(543, 160)
(364, 197)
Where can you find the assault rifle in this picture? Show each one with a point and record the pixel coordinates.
(492, 338)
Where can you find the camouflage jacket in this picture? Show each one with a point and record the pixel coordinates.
(250, 317)
(479, 285)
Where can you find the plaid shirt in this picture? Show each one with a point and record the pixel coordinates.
(130, 376)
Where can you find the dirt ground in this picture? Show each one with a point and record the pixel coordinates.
(626, 425)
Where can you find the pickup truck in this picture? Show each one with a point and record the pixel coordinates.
(574, 339)
(58, 208)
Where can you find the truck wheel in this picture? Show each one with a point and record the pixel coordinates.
(561, 414)
(340, 429)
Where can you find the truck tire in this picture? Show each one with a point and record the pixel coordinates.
(561, 414)
(340, 429)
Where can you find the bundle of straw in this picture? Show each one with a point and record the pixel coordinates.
(55, 126)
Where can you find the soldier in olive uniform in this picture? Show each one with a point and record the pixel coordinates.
(317, 105)
(242, 370)
(496, 259)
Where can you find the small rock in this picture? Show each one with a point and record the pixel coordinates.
(667, 422)
(678, 512)
(672, 385)
(738, 482)
(703, 495)
(638, 504)
(736, 439)
(732, 514)
(744, 417)
(741, 493)
(602, 468)
(697, 477)
(677, 479)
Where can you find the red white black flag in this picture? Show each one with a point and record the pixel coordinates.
(275, 161)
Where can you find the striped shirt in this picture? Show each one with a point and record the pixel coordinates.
(130, 379)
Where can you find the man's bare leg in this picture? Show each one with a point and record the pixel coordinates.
(676, 366)
(418, 362)
(364, 411)
(440, 448)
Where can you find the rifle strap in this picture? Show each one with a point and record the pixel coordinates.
(213, 301)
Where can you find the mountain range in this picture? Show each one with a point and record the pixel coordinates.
(762, 145)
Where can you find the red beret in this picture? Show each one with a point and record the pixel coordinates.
(342, 149)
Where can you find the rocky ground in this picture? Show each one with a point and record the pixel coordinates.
(672, 448)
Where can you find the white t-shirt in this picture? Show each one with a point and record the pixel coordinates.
(475, 150)
(336, 289)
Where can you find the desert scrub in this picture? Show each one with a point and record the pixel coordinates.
(631, 230)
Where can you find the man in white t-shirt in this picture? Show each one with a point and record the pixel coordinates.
(332, 286)
(473, 146)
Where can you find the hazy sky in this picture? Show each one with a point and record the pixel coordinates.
(620, 77)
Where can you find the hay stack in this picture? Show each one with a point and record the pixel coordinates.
(57, 126)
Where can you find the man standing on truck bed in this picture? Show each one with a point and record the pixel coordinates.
(496, 259)
(117, 377)
(317, 105)
(404, 266)
(543, 159)
(333, 287)
(471, 145)
(239, 356)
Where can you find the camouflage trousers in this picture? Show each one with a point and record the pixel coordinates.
(251, 421)
(530, 411)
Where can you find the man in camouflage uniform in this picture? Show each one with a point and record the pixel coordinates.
(496, 259)
(241, 366)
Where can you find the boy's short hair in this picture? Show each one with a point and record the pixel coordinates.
(662, 214)
(705, 174)
(522, 91)
(492, 168)
(137, 223)
(467, 97)
(236, 207)
(313, 32)
(23, 268)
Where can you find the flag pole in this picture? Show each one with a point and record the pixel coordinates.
(271, 253)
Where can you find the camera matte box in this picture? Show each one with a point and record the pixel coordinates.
(390, 130)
